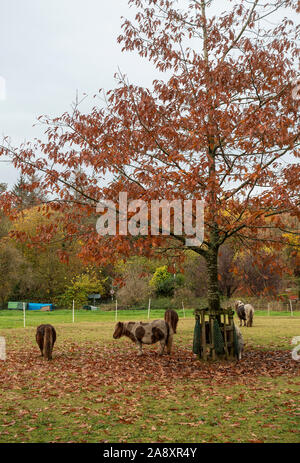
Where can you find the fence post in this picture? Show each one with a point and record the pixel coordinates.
(24, 315)
(183, 309)
(73, 311)
(149, 307)
(291, 306)
(116, 314)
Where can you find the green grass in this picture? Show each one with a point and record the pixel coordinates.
(14, 318)
(183, 413)
(96, 390)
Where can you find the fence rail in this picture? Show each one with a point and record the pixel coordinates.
(264, 304)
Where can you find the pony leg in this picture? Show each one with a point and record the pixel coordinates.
(169, 345)
(51, 348)
(41, 348)
(162, 346)
(40, 342)
(251, 319)
(140, 352)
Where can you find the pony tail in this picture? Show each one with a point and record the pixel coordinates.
(48, 343)
(168, 334)
(171, 318)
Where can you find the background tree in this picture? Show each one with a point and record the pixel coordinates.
(28, 192)
(79, 289)
(4, 220)
(292, 254)
(12, 267)
(195, 272)
(224, 127)
(163, 282)
(3, 187)
(260, 276)
(47, 275)
(135, 288)
(229, 280)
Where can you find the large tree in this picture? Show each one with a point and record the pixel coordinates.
(221, 125)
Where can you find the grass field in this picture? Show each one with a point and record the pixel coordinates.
(97, 390)
(14, 318)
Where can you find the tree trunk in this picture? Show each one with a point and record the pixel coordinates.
(213, 286)
(228, 292)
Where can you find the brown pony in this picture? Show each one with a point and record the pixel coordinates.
(171, 317)
(46, 337)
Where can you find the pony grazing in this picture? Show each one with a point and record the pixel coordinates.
(146, 333)
(249, 309)
(245, 312)
(240, 311)
(46, 337)
(171, 317)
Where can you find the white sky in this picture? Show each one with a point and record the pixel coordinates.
(50, 49)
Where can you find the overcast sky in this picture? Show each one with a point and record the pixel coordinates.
(48, 49)
(51, 48)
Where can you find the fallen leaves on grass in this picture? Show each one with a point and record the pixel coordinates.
(87, 368)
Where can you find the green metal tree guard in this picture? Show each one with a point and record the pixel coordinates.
(214, 334)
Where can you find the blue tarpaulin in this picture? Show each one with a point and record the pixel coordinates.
(37, 306)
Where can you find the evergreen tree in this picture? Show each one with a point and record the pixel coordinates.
(28, 192)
